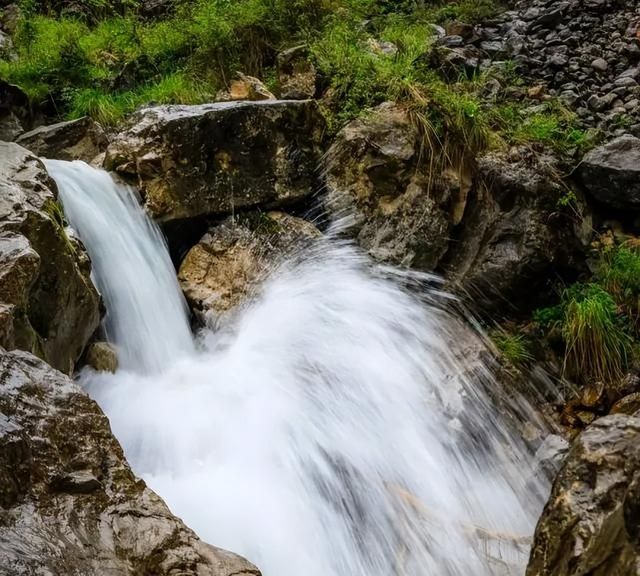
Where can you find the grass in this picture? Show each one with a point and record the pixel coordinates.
(618, 272)
(513, 347)
(106, 61)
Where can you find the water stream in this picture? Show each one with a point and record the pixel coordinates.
(339, 426)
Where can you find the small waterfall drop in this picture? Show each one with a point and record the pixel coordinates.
(146, 313)
(337, 428)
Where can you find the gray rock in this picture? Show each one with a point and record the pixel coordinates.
(591, 522)
(81, 139)
(375, 182)
(453, 41)
(71, 504)
(611, 173)
(600, 65)
(48, 304)
(212, 159)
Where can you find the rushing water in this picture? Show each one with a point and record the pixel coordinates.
(338, 427)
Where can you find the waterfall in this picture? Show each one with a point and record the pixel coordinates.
(340, 426)
(146, 313)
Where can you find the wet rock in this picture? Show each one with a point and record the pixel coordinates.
(245, 87)
(211, 159)
(296, 74)
(71, 504)
(81, 139)
(550, 455)
(591, 522)
(376, 180)
(611, 173)
(629, 405)
(231, 260)
(49, 305)
(102, 357)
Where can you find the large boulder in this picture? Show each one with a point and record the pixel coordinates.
(591, 523)
(81, 139)
(231, 260)
(212, 159)
(500, 228)
(611, 173)
(379, 183)
(48, 304)
(522, 230)
(70, 503)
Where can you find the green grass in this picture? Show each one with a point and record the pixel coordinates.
(597, 340)
(513, 347)
(106, 61)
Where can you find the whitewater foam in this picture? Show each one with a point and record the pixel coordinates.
(339, 426)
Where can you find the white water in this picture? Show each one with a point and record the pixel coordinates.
(335, 429)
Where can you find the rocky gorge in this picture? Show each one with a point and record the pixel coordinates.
(251, 177)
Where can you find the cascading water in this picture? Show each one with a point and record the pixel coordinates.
(332, 430)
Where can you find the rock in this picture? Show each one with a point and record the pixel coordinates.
(382, 47)
(48, 304)
(376, 179)
(81, 139)
(611, 173)
(296, 74)
(513, 238)
(600, 64)
(211, 159)
(629, 404)
(102, 357)
(9, 17)
(245, 87)
(550, 455)
(15, 111)
(231, 260)
(452, 41)
(71, 504)
(591, 522)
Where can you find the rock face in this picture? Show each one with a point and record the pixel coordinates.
(515, 237)
(81, 139)
(376, 182)
(611, 173)
(70, 504)
(296, 74)
(49, 305)
(210, 159)
(229, 262)
(15, 112)
(497, 235)
(591, 522)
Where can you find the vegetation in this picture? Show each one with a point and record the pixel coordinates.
(108, 58)
(598, 321)
(513, 346)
